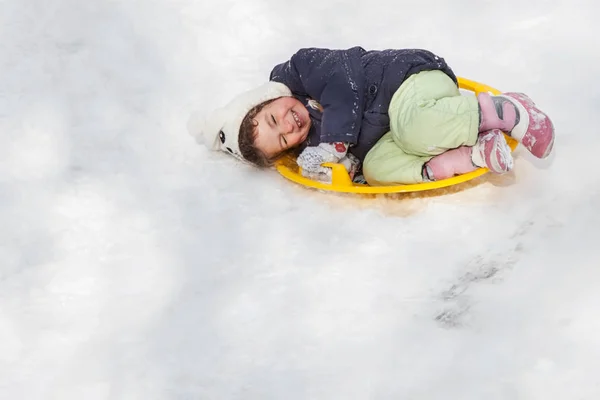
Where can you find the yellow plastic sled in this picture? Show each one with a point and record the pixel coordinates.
(341, 181)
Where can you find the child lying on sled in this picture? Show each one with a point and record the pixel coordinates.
(396, 116)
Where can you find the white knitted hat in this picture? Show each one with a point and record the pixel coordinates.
(221, 129)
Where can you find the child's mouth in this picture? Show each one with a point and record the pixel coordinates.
(297, 119)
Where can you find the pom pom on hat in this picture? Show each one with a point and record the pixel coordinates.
(220, 130)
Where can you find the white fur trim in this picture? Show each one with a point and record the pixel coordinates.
(477, 156)
(220, 130)
(521, 128)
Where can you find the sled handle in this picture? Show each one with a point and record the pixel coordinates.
(339, 175)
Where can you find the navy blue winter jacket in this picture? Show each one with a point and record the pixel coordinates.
(354, 88)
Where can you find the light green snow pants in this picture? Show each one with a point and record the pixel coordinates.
(428, 116)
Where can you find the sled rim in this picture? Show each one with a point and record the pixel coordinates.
(341, 182)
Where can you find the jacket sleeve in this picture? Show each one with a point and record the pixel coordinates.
(335, 79)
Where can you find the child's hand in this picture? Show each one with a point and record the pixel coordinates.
(311, 158)
(350, 162)
(324, 177)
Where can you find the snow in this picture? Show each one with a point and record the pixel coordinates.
(138, 265)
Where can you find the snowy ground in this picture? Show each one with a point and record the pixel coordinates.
(136, 265)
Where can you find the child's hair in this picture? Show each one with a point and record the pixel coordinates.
(247, 138)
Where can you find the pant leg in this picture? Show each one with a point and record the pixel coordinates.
(428, 115)
(387, 164)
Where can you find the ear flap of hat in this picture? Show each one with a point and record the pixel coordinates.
(206, 130)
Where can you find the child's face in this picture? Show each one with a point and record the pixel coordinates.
(282, 125)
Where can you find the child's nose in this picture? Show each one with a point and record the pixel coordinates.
(288, 127)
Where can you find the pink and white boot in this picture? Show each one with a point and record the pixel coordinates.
(490, 151)
(517, 115)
